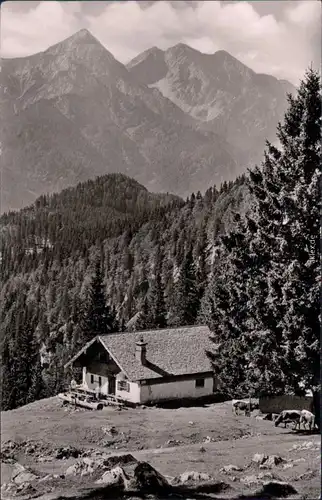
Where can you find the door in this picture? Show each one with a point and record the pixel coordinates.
(111, 385)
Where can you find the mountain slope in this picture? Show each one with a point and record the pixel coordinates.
(218, 90)
(73, 112)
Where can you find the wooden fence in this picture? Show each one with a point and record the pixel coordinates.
(276, 404)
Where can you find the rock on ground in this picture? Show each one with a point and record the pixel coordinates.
(114, 477)
(88, 465)
(22, 475)
(255, 479)
(67, 452)
(230, 468)
(187, 477)
(259, 458)
(267, 461)
(272, 461)
(83, 467)
(149, 479)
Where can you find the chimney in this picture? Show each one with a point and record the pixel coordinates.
(140, 351)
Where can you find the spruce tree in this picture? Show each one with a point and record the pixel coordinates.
(278, 318)
(144, 319)
(8, 387)
(285, 222)
(158, 313)
(186, 294)
(203, 266)
(97, 318)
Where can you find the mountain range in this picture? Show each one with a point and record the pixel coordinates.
(176, 120)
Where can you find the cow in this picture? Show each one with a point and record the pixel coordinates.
(288, 416)
(271, 416)
(307, 417)
(238, 404)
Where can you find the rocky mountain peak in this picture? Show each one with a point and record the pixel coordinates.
(81, 37)
(152, 54)
(84, 49)
(181, 50)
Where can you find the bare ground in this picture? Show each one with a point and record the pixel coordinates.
(202, 439)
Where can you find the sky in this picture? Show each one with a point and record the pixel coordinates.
(281, 38)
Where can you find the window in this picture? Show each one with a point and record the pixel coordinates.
(100, 381)
(200, 382)
(92, 379)
(123, 385)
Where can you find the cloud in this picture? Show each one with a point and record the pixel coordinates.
(24, 33)
(283, 45)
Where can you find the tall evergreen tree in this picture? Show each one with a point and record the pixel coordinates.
(279, 314)
(158, 313)
(98, 318)
(203, 265)
(8, 387)
(186, 295)
(144, 319)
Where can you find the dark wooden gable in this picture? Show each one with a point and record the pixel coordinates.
(97, 360)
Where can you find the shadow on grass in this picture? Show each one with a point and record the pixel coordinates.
(198, 492)
(307, 432)
(191, 403)
(302, 432)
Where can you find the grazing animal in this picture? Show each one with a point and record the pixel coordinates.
(289, 416)
(308, 418)
(240, 405)
(271, 416)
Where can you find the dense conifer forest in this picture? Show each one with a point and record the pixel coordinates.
(108, 255)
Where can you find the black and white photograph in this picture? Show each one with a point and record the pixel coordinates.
(160, 272)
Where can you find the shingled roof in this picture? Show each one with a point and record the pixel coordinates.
(171, 351)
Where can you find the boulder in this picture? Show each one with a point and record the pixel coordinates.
(255, 479)
(192, 476)
(267, 461)
(22, 475)
(110, 431)
(114, 477)
(82, 467)
(87, 465)
(230, 468)
(259, 458)
(147, 479)
(272, 461)
(67, 452)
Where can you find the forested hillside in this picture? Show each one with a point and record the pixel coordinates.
(108, 255)
(106, 237)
